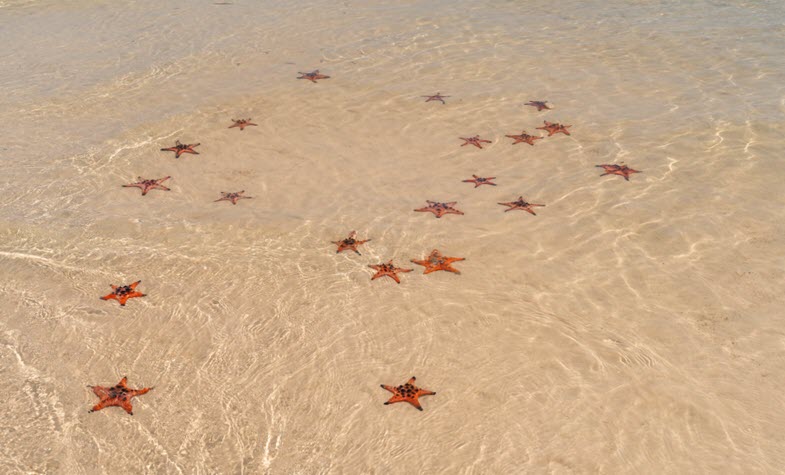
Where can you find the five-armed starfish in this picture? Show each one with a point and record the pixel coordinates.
(180, 149)
(524, 137)
(476, 141)
(436, 97)
(233, 197)
(389, 270)
(119, 395)
(540, 105)
(350, 243)
(436, 261)
(147, 185)
(313, 76)
(123, 292)
(407, 393)
(520, 203)
(621, 170)
(481, 181)
(440, 209)
(554, 128)
(242, 123)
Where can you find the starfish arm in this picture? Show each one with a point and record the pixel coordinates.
(429, 269)
(529, 210)
(123, 382)
(133, 287)
(394, 277)
(414, 402)
(606, 173)
(170, 149)
(411, 380)
(425, 392)
(419, 263)
(389, 388)
(139, 392)
(134, 185)
(450, 260)
(100, 405)
(626, 177)
(127, 406)
(233, 126)
(394, 399)
(122, 299)
(99, 391)
(158, 186)
(134, 295)
(111, 296)
(453, 211)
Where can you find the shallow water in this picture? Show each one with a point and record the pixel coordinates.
(630, 327)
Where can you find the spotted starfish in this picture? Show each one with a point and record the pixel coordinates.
(123, 292)
(436, 261)
(180, 149)
(242, 123)
(350, 243)
(313, 76)
(436, 97)
(540, 105)
(233, 197)
(388, 270)
(440, 209)
(554, 128)
(524, 137)
(119, 395)
(407, 393)
(520, 203)
(476, 141)
(621, 170)
(481, 181)
(147, 185)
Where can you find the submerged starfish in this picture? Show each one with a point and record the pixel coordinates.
(520, 203)
(147, 185)
(436, 97)
(233, 197)
(621, 170)
(407, 393)
(242, 123)
(180, 149)
(123, 292)
(476, 141)
(440, 209)
(540, 105)
(481, 181)
(388, 270)
(313, 76)
(554, 128)
(524, 137)
(119, 395)
(350, 243)
(436, 261)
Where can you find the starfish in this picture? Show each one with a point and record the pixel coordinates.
(123, 292)
(436, 97)
(242, 123)
(540, 105)
(233, 197)
(180, 149)
(440, 209)
(524, 137)
(407, 393)
(436, 261)
(481, 181)
(476, 141)
(520, 203)
(119, 395)
(350, 243)
(313, 76)
(147, 185)
(554, 128)
(621, 170)
(389, 270)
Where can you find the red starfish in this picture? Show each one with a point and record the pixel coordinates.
(389, 270)
(119, 395)
(554, 128)
(242, 123)
(147, 185)
(524, 137)
(350, 243)
(313, 76)
(540, 105)
(476, 141)
(621, 170)
(437, 97)
(233, 197)
(180, 149)
(436, 261)
(440, 209)
(407, 393)
(123, 292)
(481, 181)
(520, 203)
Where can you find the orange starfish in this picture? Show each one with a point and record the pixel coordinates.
(350, 243)
(436, 97)
(180, 149)
(524, 137)
(476, 141)
(242, 123)
(440, 209)
(554, 128)
(407, 393)
(540, 105)
(119, 395)
(520, 203)
(123, 292)
(388, 270)
(233, 197)
(313, 76)
(436, 261)
(481, 181)
(621, 170)
(147, 185)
